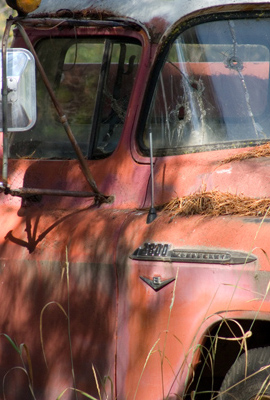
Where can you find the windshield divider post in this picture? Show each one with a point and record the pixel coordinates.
(152, 214)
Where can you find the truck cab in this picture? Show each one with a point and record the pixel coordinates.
(135, 201)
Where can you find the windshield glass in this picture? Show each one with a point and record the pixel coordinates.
(92, 79)
(213, 89)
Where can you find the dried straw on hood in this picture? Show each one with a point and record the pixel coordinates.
(256, 152)
(215, 203)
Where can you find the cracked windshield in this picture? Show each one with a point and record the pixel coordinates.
(92, 79)
(213, 89)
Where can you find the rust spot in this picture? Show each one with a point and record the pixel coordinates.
(156, 27)
(92, 13)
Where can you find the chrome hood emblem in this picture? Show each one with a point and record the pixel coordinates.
(164, 252)
(156, 283)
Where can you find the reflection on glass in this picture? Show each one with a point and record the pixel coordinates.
(213, 89)
(92, 80)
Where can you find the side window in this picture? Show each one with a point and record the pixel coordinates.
(92, 80)
(213, 89)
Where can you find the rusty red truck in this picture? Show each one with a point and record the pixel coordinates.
(135, 200)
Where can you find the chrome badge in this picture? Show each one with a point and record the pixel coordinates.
(163, 252)
(156, 283)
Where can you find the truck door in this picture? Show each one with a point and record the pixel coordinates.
(57, 254)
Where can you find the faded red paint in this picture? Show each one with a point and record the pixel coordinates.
(65, 253)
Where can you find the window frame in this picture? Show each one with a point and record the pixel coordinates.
(93, 132)
(166, 44)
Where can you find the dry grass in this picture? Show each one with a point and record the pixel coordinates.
(215, 203)
(256, 152)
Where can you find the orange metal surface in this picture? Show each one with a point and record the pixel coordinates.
(72, 298)
(166, 326)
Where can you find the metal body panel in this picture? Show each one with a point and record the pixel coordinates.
(41, 237)
(165, 327)
(206, 170)
(69, 284)
(53, 278)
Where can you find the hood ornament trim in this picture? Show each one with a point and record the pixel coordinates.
(164, 252)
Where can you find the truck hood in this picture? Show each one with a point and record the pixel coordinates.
(184, 175)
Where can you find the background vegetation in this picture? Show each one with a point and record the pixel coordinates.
(5, 12)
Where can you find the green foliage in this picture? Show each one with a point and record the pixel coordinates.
(5, 12)
(26, 367)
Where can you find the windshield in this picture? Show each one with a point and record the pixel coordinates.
(213, 89)
(92, 79)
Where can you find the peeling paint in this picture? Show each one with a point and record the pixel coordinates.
(225, 171)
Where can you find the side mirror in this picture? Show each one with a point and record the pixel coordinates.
(21, 83)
